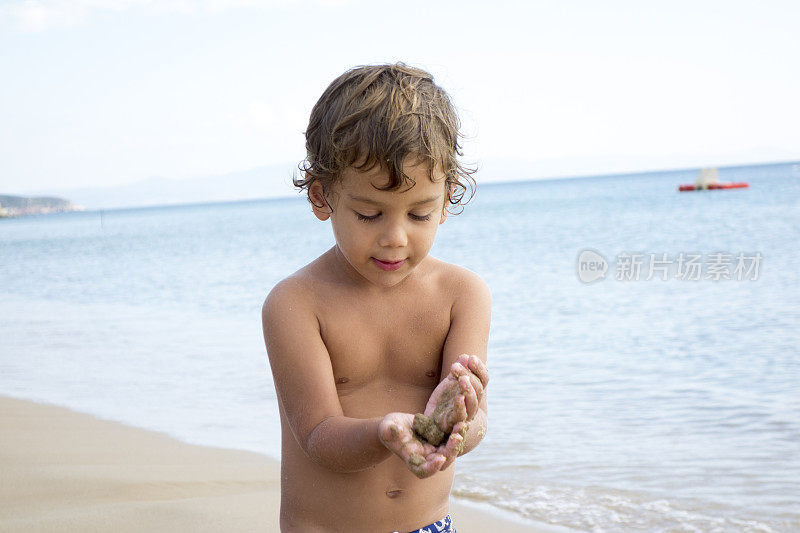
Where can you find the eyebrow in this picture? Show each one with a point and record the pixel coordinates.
(374, 202)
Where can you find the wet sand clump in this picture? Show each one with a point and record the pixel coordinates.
(426, 429)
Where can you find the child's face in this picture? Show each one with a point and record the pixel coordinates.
(383, 235)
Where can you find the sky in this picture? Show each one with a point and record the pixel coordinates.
(104, 92)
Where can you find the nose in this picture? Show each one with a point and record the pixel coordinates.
(393, 235)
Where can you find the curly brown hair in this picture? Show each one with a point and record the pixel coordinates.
(379, 115)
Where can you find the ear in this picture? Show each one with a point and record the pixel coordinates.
(319, 204)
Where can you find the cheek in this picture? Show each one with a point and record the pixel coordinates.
(427, 236)
(351, 234)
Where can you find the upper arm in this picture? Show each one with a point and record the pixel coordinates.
(470, 318)
(300, 363)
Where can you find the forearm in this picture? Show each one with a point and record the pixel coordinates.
(345, 444)
(475, 432)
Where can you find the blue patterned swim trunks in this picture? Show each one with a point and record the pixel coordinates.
(444, 525)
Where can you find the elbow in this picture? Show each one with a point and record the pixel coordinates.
(314, 445)
(328, 459)
(334, 448)
(321, 456)
(320, 449)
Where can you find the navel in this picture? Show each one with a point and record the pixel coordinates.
(394, 493)
(342, 380)
(431, 373)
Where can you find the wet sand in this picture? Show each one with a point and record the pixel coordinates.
(66, 471)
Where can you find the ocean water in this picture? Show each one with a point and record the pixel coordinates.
(624, 404)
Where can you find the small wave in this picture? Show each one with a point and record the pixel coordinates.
(599, 509)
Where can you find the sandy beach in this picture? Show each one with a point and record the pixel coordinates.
(68, 471)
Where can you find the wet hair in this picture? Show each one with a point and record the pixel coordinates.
(380, 115)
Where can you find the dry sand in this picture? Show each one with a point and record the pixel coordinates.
(67, 471)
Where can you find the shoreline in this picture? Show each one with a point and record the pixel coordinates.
(69, 471)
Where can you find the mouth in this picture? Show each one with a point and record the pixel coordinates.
(388, 265)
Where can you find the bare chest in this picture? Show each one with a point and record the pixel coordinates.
(396, 341)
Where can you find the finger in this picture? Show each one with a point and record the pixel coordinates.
(389, 431)
(457, 413)
(400, 439)
(436, 461)
(454, 445)
(477, 386)
(451, 456)
(458, 369)
(449, 381)
(460, 411)
(426, 467)
(478, 368)
(471, 398)
(461, 428)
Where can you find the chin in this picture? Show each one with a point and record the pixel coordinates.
(391, 280)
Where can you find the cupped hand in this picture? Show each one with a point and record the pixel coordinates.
(471, 367)
(458, 395)
(396, 432)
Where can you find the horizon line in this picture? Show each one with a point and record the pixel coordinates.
(299, 195)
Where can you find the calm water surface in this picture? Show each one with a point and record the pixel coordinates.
(617, 405)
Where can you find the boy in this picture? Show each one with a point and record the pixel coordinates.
(376, 330)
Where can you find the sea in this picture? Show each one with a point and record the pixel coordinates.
(644, 350)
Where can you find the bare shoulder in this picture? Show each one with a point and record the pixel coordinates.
(286, 296)
(295, 293)
(461, 283)
(290, 307)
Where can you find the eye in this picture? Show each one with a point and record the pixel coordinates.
(420, 218)
(366, 218)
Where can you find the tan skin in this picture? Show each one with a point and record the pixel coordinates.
(356, 350)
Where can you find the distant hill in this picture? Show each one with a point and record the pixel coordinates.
(261, 182)
(14, 206)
